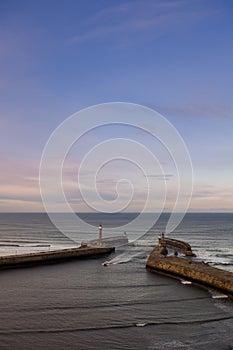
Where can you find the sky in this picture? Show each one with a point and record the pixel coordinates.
(59, 57)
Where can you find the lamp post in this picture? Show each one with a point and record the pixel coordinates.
(100, 235)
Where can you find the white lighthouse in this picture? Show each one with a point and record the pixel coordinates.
(100, 235)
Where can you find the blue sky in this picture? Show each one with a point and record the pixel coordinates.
(57, 57)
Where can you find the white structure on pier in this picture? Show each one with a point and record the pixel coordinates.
(100, 235)
(161, 240)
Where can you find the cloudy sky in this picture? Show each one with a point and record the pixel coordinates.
(58, 57)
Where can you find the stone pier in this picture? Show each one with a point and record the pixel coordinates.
(190, 269)
(53, 256)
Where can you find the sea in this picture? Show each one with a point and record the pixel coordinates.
(84, 305)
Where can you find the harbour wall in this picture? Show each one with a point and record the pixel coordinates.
(195, 271)
(53, 256)
(175, 244)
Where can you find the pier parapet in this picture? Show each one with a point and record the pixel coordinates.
(177, 245)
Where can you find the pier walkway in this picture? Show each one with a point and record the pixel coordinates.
(53, 256)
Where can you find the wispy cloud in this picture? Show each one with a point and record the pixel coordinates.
(132, 18)
(212, 198)
(164, 177)
(195, 108)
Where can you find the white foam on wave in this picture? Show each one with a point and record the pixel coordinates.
(217, 295)
(141, 324)
(220, 296)
(185, 282)
(172, 344)
(125, 257)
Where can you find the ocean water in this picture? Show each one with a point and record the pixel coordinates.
(81, 304)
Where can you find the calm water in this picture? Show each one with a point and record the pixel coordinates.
(84, 305)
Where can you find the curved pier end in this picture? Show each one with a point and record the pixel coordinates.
(175, 244)
(195, 271)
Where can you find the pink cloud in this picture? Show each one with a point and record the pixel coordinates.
(19, 181)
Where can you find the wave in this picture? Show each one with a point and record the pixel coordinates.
(225, 255)
(113, 326)
(127, 256)
(121, 305)
(222, 263)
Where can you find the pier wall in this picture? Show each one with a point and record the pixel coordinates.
(55, 255)
(191, 270)
(176, 244)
